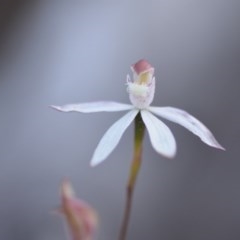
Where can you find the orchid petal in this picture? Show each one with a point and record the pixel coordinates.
(161, 136)
(186, 120)
(112, 137)
(102, 106)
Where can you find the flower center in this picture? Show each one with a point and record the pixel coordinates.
(141, 89)
(144, 78)
(138, 90)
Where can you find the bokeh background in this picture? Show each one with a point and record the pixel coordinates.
(57, 52)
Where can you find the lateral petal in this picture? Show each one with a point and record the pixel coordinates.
(186, 120)
(102, 106)
(112, 137)
(160, 135)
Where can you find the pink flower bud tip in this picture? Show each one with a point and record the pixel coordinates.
(142, 66)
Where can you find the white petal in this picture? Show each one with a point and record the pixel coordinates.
(188, 121)
(112, 137)
(102, 106)
(161, 136)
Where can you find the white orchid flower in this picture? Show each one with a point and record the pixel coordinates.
(141, 92)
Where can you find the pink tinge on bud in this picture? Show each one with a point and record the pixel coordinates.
(81, 218)
(141, 88)
(142, 66)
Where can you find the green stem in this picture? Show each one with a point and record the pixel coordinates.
(135, 167)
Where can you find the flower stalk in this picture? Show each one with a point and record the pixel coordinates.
(134, 170)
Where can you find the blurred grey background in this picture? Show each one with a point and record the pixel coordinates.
(57, 52)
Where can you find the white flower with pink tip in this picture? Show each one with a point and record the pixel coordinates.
(141, 93)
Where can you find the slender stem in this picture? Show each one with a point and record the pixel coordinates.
(135, 166)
